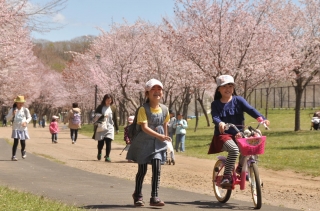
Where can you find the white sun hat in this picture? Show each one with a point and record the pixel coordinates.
(151, 83)
(225, 79)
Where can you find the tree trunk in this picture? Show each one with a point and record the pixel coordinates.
(299, 91)
(200, 100)
(196, 110)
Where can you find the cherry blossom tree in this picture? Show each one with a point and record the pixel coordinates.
(300, 23)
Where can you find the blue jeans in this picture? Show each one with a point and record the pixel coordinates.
(180, 139)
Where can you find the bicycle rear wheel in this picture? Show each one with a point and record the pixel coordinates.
(255, 186)
(222, 195)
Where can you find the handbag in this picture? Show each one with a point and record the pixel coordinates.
(183, 131)
(102, 126)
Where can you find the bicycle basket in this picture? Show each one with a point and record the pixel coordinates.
(252, 145)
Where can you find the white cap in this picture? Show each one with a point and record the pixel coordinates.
(224, 79)
(130, 119)
(55, 117)
(151, 83)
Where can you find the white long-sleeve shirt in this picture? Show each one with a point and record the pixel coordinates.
(22, 115)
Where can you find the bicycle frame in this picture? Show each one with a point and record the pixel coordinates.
(249, 170)
(247, 161)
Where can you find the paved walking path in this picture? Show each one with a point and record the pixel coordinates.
(57, 181)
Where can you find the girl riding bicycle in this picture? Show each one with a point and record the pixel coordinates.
(227, 107)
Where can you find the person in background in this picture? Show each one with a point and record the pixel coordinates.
(172, 121)
(74, 122)
(125, 135)
(20, 118)
(227, 107)
(4, 120)
(54, 129)
(34, 120)
(108, 117)
(180, 125)
(44, 121)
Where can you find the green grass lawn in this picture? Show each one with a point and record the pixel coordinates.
(15, 200)
(285, 149)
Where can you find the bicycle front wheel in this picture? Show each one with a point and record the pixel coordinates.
(255, 186)
(222, 195)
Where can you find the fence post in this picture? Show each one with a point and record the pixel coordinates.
(261, 98)
(314, 96)
(281, 97)
(288, 97)
(274, 97)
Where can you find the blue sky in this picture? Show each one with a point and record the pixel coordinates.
(81, 17)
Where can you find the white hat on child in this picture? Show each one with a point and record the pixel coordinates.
(130, 119)
(224, 79)
(151, 83)
(55, 117)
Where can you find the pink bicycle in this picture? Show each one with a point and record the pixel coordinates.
(251, 145)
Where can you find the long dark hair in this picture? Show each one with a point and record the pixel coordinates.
(74, 105)
(218, 96)
(105, 97)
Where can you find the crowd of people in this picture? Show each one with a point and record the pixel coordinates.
(155, 126)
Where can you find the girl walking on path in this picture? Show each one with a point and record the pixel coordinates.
(149, 145)
(229, 108)
(108, 122)
(54, 129)
(20, 117)
(74, 120)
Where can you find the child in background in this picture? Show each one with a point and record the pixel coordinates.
(126, 130)
(149, 144)
(126, 138)
(227, 107)
(54, 129)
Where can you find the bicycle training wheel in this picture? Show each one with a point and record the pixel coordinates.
(255, 186)
(222, 195)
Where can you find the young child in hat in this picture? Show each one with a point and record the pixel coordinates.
(54, 129)
(20, 117)
(227, 107)
(149, 144)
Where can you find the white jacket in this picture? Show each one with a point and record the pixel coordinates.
(22, 115)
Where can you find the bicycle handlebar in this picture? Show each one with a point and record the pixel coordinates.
(228, 125)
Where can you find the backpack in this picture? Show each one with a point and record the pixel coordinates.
(76, 119)
(135, 128)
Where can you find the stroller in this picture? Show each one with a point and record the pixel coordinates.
(315, 121)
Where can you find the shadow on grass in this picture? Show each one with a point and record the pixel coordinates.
(310, 147)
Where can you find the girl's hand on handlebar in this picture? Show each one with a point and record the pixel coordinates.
(238, 135)
(266, 122)
(222, 127)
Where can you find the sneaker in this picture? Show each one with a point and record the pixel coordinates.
(24, 154)
(155, 201)
(73, 142)
(138, 200)
(14, 158)
(99, 156)
(107, 159)
(173, 162)
(239, 169)
(226, 182)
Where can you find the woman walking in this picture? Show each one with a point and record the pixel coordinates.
(74, 119)
(105, 126)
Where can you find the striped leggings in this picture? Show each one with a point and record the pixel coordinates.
(233, 151)
(142, 170)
